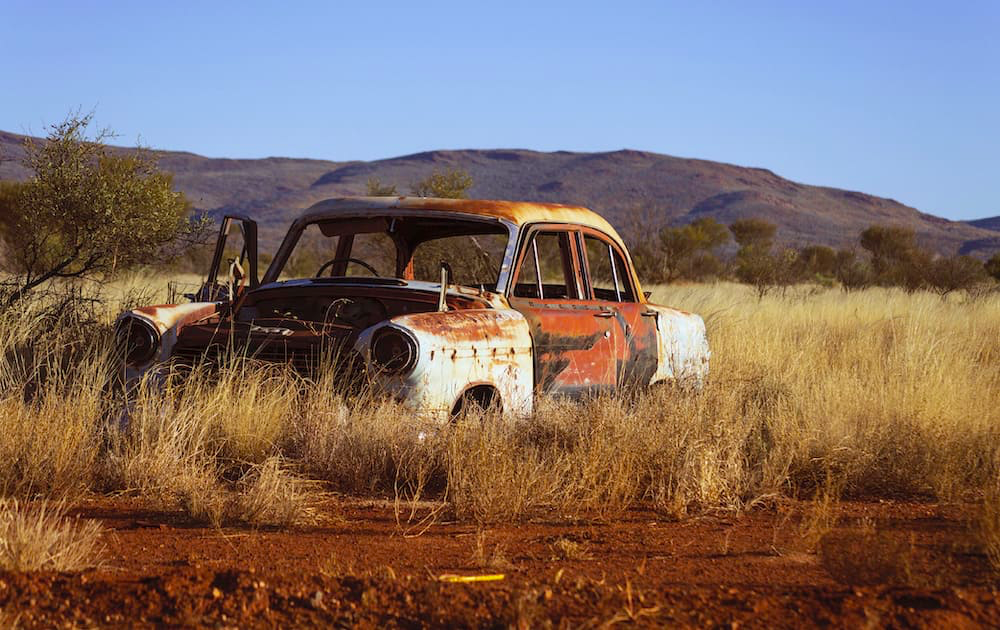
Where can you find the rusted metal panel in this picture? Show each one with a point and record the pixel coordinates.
(577, 348)
(641, 343)
(457, 350)
(683, 347)
(168, 320)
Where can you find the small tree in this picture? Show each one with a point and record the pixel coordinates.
(87, 211)
(681, 247)
(817, 261)
(896, 258)
(453, 184)
(955, 273)
(850, 272)
(755, 264)
(993, 266)
(375, 188)
(753, 232)
(888, 246)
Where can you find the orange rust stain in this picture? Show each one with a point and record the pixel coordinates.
(153, 311)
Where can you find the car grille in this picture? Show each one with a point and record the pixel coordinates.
(308, 361)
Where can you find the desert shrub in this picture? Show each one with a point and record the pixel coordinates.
(51, 444)
(54, 365)
(896, 258)
(491, 477)
(87, 211)
(956, 273)
(375, 188)
(992, 266)
(816, 261)
(452, 184)
(42, 537)
(246, 407)
(164, 450)
(851, 273)
(364, 444)
(270, 494)
(685, 251)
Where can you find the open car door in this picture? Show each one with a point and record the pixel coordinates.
(235, 258)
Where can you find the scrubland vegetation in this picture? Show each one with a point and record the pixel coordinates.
(888, 393)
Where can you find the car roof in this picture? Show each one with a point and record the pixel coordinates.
(516, 212)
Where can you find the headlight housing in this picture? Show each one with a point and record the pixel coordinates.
(393, 351)
(138, 339)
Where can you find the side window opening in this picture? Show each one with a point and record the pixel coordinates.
(607, 271)
(546, 270)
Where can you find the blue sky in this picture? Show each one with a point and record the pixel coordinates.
(899, 99)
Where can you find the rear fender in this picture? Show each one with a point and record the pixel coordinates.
(683, 347)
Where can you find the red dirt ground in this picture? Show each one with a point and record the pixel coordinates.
(887, 564)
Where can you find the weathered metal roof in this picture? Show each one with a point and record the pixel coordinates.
(516, 212)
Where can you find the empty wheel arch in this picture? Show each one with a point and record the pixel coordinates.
(482, 397)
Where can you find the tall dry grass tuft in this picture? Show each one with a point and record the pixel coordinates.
(53, 370)
(365, 444)
(42, 537)
(246, 407)
(272, 495)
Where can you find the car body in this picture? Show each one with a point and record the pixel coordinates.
(528, 299)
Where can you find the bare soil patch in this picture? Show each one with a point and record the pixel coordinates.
(886, 563)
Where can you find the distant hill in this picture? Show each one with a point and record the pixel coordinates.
(989, 223)
(668, 190)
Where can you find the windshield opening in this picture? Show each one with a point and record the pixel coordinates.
(407, 248)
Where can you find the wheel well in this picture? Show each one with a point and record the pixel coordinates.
(481, 396)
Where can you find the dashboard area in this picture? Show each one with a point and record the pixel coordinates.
(355, 307)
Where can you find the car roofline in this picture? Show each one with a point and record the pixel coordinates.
(518, 213)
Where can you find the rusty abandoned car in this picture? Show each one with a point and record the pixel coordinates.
(439, 302)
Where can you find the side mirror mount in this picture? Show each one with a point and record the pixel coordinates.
(445, 281)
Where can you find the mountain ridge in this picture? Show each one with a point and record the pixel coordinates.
(621, 185)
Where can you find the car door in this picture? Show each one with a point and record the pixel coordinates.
(573, 338)
(235, 256)
(609, 282)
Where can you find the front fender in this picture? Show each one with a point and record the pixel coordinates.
(459, 349)
(167, 320)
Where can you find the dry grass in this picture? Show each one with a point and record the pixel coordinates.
(823, 513)
(42, 537)
(489, 556)
(894, 391)
(272, 495)
(569, 549)
(989, 524)
(893, 394)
